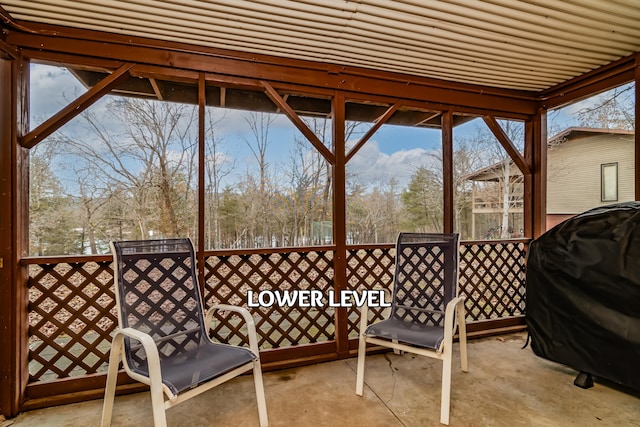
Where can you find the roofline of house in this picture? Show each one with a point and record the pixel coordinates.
(566, 134)
(559, 138)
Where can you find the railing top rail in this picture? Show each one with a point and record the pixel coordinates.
(226, 252)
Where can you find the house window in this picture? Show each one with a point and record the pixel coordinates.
(609, 181)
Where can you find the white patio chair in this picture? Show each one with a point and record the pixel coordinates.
(162, 335)
(425, 308)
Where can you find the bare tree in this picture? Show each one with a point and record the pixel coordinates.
(50, 209)
(260, 125)
(217, 167)
(321, 127)
(306, 189)
(614, 109)
(152, 155)
(93, 196)
(508, 178)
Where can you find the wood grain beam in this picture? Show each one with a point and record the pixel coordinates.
(539, 191)
(379, 122)
(223, 97)
(586, 85)
(156, 88)
(297, 121)
(637, 127)
(528, 181)
(431, 117)
(339, 182)
(76, 107)
(275, 69)
(507, 144)
(447, 172)
(9, 51)
(202, 102)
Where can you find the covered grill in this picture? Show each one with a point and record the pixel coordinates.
(583, 293)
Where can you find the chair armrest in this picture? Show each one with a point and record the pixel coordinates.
(449, 317)
(248, 319)
(151, 351)
(364, 310)
(451, 307)
(145, 339)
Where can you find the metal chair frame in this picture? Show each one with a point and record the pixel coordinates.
(150, 346)
(454, 317)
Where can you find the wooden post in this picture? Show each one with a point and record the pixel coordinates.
(340, 221)
(527, 192)
(201, 185)
(447, 172)
(637, 128)
(14, 244)
(539, 179)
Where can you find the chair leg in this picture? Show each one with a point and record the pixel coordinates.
(395, 350)
(112, 378)
(462, 338)
(362, 352)
(262, 403)
(445, 399)
(157, 402)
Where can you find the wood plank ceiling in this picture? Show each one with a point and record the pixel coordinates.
(516, 44)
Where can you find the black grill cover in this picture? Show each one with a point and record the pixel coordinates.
(583, 293)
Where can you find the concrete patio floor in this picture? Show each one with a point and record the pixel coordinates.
(505, 386)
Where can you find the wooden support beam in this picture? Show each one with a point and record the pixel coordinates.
(202, 102)
(297, 121)
(340, 221)
(584, 86)
(76, 107)
(528, 196)
(284, 98)
(223, 97)
(274, 69)
(539, 190)
(507, 144)
(637, 127)
(9, 397)
(9, 51)
(156, 88)
(379, 122)
(431, 117)
(447, 172)
(14, 234)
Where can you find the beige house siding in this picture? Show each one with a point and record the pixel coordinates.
(574, 172)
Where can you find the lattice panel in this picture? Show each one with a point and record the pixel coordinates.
(492, 278)
(229, 277)
(368, 268)
(72, 307)
(72, 312)
(160, 300)
(421, 283)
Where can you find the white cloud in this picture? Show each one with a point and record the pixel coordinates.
(373, 167)
(51, 89)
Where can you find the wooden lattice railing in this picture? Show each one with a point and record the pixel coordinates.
(491, 278)
(72, 307)
(72, 313)
(229, 275)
